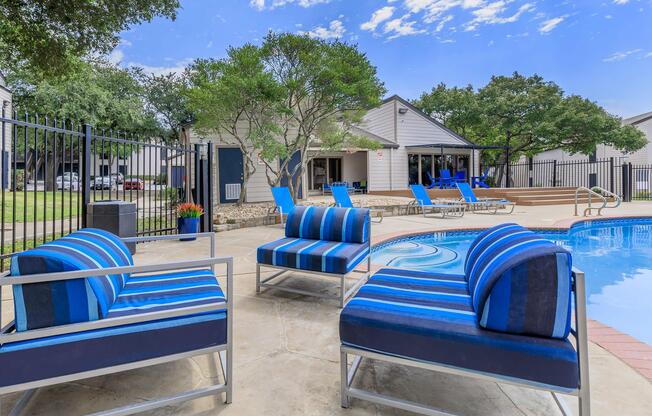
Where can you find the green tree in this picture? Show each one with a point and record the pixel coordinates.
(326, 88)
(293, 94)
(96, 93)
(165, 95)
(49, 35)
(529, 115)
(236, 99)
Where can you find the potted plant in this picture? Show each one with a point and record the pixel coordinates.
(188, 221)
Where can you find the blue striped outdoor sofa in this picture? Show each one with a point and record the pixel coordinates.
(506, 319)
(319, 240)
(82, 309)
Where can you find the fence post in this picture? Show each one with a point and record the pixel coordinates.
(209, 197)
(530, 162)
(507, 168)
(627, 182)
(611, 174)
(86, 173)
(554, 173)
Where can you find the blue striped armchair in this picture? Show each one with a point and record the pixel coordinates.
(506, 319)
(82, 309)
(326, 241)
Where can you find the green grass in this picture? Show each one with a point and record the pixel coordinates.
(44, 202)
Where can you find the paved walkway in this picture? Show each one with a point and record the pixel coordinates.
(286, 350)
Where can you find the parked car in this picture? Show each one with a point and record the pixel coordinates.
(133, 183)
(101, 182)
(118, 178)
(67, 181)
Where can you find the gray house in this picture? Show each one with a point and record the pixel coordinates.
(414, 148)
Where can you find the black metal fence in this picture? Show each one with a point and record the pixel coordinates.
(614, 174)
(52, 169)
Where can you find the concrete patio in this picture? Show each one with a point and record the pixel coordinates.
(287, 348)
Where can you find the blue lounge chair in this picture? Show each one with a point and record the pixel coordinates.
(82, 309)
(343, 200)
(445, 180)
(507, 319)
(423, 202)
(283, 200)
(460, 176)
(326, 241)
(483, 205)
(481, 181)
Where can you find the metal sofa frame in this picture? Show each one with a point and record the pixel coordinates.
(224, 351)
(582, 392)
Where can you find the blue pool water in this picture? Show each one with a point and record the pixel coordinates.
(616, 256)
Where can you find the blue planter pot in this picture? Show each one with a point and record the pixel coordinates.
(187, 226)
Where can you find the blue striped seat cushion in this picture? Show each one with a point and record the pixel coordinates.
(153, 293)
(314, 255)
(39, 305)
(44, 358)
(520, 282)
(430, 317)
(349, 225)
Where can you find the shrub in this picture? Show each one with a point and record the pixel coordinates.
(19, 186)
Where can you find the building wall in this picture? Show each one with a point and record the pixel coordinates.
(380, 121)
(414, 128)
(5, 96)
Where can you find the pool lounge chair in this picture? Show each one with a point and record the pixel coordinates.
(283, 202)
(343, 200)
(491, 323)
(487, 205)
(82, 310)
(324, 241)
(423, 202)
(481, 181)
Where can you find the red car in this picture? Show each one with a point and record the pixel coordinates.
(133, 183)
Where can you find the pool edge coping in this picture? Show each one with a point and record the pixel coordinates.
(632, 352)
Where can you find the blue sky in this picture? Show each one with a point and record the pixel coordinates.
(598, 49)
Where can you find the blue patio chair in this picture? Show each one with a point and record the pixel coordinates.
(83, 309)
(283, 201)
(325, 241)
(483, 205)
(343, 200)
(423, 202)
(326, 189)
(481, 181)
(460, 176)
(506, 319)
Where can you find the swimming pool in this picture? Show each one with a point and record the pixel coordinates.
(615, 254)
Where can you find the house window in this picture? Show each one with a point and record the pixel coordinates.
(413, 169)
(426, 169)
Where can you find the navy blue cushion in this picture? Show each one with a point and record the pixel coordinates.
(152, 293)
(520, 282)
(350, 225)
(430, 317)
(40, 359)
(314, 255)
(40, 305)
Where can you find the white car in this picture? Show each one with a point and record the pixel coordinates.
(101, 182)
(68, 181)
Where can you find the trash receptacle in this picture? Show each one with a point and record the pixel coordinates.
(118, 217)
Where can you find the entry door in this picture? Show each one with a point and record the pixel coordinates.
(231, 174)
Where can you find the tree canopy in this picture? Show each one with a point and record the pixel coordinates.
(293, 94)
(530, 115)
(49, 35)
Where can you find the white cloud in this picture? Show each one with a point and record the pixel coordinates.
(442, 22)
(377, 18)
(494, 13)
(334, 30)
(620, 2)
(177, 68)
(648, 55)
(401, 27)
(272, 4)
(116, 56)
(619, 56)
(549, 25)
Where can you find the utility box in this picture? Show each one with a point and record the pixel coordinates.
(117, 217)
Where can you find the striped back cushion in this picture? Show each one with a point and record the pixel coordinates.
(348, 225)
(520, 282)
(39, 305)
